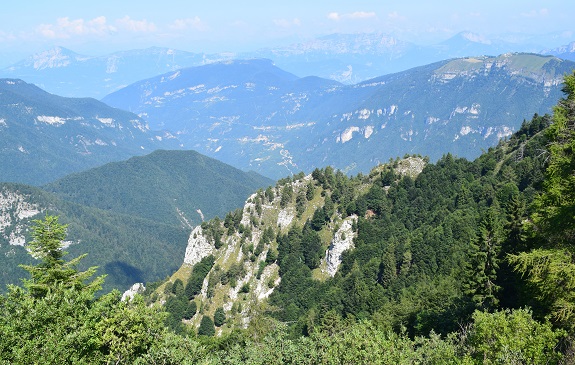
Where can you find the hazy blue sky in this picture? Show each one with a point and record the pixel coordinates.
(102, 26)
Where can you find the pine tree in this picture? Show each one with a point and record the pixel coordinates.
(206, 327)
(219, 317)
(54, 272)
(550, 267)
(481, 271)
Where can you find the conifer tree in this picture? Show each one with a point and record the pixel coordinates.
(206, 327)
(550, 267)
(481, 271)
(54, 272)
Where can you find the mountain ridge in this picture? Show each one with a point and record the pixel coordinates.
(281, 129)
(46, 136)
(347, 58)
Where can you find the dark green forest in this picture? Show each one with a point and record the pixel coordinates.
(470, 262)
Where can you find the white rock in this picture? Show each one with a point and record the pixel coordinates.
(339, 245)
(135, 289)
(198, 247)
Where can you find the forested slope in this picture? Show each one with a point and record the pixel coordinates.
(462, 246)
(462, 262)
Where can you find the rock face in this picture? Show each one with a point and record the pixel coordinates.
(14, 209)
(198, 247)
(411, 166)
(342, 241)
(134, 289)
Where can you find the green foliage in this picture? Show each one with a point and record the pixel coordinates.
(219, 317)
(483, 263)
(552, 272)
(199, 273)
(245, 288)
(550, 267)
(53, 272)
(206, 327)
(286, 195)
(178, 287)
(309, 191)
(300, 203)
(512, 337)
(213, 231)
(58, 319)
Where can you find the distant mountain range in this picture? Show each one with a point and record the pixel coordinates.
(347, 58)
(133, 218)
(254, 115)
(566, 52)
(64, 72)
(45, 136)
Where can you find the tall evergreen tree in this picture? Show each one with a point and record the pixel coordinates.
(53, 271)
(483, 263)
(550, 267)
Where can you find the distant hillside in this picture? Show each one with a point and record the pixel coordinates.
(566, 52)
(254, 115)
(126, 248)
(45, 136)
(180, 188)
(353, 58)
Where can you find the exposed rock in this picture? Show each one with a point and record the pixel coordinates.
(198, 247)
(14, 210)
(342, 241)
(137, 288)
(411, 166)
(285, 217)
(262, 290)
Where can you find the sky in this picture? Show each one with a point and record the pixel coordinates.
(99, 27)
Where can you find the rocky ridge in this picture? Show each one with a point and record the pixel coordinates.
(245, 245)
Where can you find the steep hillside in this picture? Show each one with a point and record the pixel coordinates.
(126, 248)
(45, 136)
(179, 188)
(411, 245)
(255, 116)
(235, 263)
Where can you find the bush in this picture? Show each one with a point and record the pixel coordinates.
(245, 288)
(512, 337)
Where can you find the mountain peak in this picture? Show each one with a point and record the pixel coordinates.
(474, 37)
(54, 58)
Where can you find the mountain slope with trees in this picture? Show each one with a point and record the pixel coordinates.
(171, 187)
(253, 115)
(459, 262)
(133, 218)
(45, 136)
(458, 249)
(126, 248)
